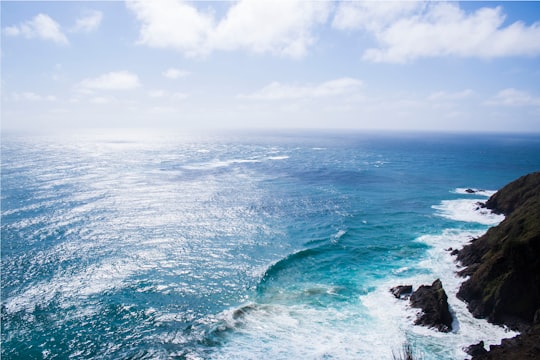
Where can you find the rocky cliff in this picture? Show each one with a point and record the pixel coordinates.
(504, 270)
(504, 264)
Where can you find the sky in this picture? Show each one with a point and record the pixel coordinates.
(377, 65)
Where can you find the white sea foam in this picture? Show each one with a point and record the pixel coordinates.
(338, 236)
(279, 157)
(217, 164)
(302, 332)
(467, 210)
(474, 191)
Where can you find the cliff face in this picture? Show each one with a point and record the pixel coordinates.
(504, 264)
(521, 192)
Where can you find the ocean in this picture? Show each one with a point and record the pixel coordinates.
(132, 244)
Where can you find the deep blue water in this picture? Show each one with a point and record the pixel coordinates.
(277, 245)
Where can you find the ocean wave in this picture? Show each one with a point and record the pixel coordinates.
(218, 164)
(338, 236)
(278, 157)
(289, 261)
(467, 210)
(215, 164)
(302, 332)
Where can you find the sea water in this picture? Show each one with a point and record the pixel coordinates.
(269, 245)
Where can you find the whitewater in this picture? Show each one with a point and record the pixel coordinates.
(242, 245)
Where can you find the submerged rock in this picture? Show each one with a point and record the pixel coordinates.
(433, 302)
(402, 291)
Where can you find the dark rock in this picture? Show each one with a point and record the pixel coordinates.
(515, 194)
(454, 252)
(476, 349)
(480, 205)
(504, 264)
(504, 270)
(521, 347)
(402, 291)
(433, 302)
(536, 319)
(470, 191)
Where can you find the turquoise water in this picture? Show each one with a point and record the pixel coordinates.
(282, 245)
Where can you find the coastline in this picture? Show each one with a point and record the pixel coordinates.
(502, 270)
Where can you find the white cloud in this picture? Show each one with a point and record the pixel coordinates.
(179, 96)
(514, 97)
(41, 26)
(372, 15)
(430, 29)
(443, 95)
(403, 30)
(278, 91)
(102, 100)
(89, 22)
(121, 80)
(157, 94)
(283, 28)
(277, 27)
(163, 109)
(173, 73)
(172, 24)
(32, 96)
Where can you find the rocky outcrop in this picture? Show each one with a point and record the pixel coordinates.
(476, 349)
(514, 195)
(504, 270)
(522, 347)
(433, 302)
(504, 264)
(401, 291)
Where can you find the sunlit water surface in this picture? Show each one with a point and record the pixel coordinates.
(277, 245)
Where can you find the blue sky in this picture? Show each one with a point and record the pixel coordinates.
(433, 66)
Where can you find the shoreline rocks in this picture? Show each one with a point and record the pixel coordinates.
(521, 347)
(476, 349)
(504, 264)
(402, 291)
(503, 270)
(503, 267)
(433, 302)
